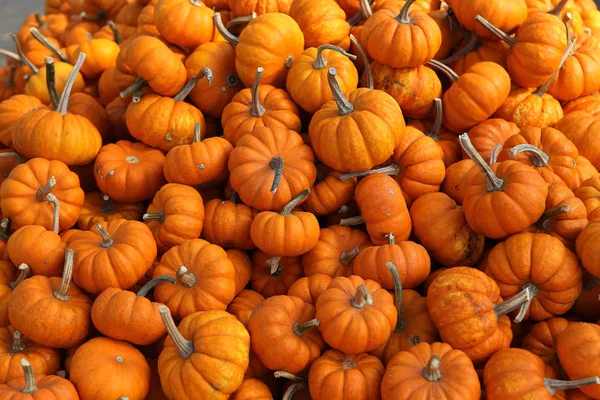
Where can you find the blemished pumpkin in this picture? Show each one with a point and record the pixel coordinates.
(227, 223)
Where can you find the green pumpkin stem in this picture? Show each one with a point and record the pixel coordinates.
(30, 386)
(498, 32)
(256, 109)
(185, 347)
(185, 277)
(518, 300)
(403, 17)
(64, 97)
(51, 81)
(43, 191)
(276, 164)
(368, 73)
(432, 372)
(159, 216)
(392, 169)
(555, 385)
(24, 60)
(107, 241)
(351, 221)
(344, 106)
(398, 296)
(347, 256)
(493, 182)
(144, 290)
(321, 62)
(18, 345)
(107, 207)
(301, 327)
(24, 273)
(544, 222)
(48, 44)
(473, 44)
(362, 297)
(287, 209)
(231, 38)
(62, 293)
(115, 30)
(56, 214)
(446, 70)
(133, 88)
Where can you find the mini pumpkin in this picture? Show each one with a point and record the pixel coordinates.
(100, 209)
(34, 387)
(184, 23)
(228, 223)
(273, 275)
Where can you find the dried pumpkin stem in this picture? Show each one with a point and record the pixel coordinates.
(56, 214)
(11, 55)
(274, 267)
(115, 30)
(42, 192)
(392, 169)
(51, 81)
(276, 164)
(558, 8)
(403, 17)
(152, 283)
(186, 90)
(498, 32)
(348, 363)
(289, 376)
(63, 290)
(347, 256)
(24, 273)
(365, 60)
(555, 385)
(83, 16)
(64, 97)
(30, 386)
(321, 62)
(185, 277)
(358, 220)
(107, 208)
(292, 390)
(231, 38)
(446, 70)
(567, 22)
(362, 297)
(159, 216)
(48, 44)
(107, 241)
(513, 303)
(123, 398)
(241, 20)
(473, 44)
(185, 347)
(432, 372)
(544, 88)
(289, 61)
(301, 327)
(534, 290)
(4, 228)
(22, 56)
(344, 106)
(537, 156)
(256, 109)
(365, 8)
(544, 222)
(197, 133)
(135, 86)
(17, 345)
(287, 209)
(493, 182)
(434, 132)
(398, 296)
(14, 154)
(495, 153)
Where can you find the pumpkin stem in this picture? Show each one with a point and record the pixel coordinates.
(403, 17)
(107, 208)
(17, 345)
(30, 386)
(276, 164)
(42, 192)
(292, 390)
(365, 60)
(434, 132)
(498, 32)
(152, 283)
(48, 44)
(232, 79)
(39, 19)
(115, 30)
(513, 303)
(241, 20)
(233, 197)
(64, 97)
(544, 222)
(289, 61)
(14, 154)
(185, 277)
(301, 327)
(135, 86)
(185, 347)
(63, 290)
(83, 16)
(287, 209)
(197, 133)
(123, 398)
(473, 44)
(555, 385)
(558, 8)
(365, 8)
(537, 156)
(22, 56)
(289, 376)
(446, 70)
(567, 22)
(398, 294)
(56, 214)
(348, 363)
(321, 62)
(544, 88)
(347, 256)
(494, 154)
(159, 216)
(256, 109)
(51, 81)
(392, 169)
(534, 290)
(186, 89)
(274, 267)
(11, 55)
(107, 241)
(24, 273)
(231, 38)
(493, 182)
(344, 106)
(351, 221)
(362, 297)
(4, 228)
(432, 372)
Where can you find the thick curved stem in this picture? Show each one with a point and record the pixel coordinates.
(51, 81)
(56, 214)
(403, 17)
(537, 156)
(22, 55)
(544, 222)
(501, 34)
(152, 283)
(241, 20)
(185, 347)
(24, 273)
(187, 88)
(288, 376)
(555, 385)
(115, 30)
(292, 390)
(301, 327)
(321, 62)
(30, 386)
(48, 44)
(14, 154)
(358, 220)
(62, 293)
(347, 256)
(11, 55)
(256, 109)
(473, 44)
(495, 153)
(185, 277)
(534, 290)
(17, 345)
(231, 38)
(365, 9)
(544, 88)
(64, 97)
(365, 59)
(135, 86)
(362, 297)
(513, 303)
(446, 70)
(558, 8)
(392, 169)
(287, 209)
(276, 164)
(434, 132)
(398, 296)
(344, 106)
(107, 241)
(42, 193)
(493, 182)
(432, 372)
(159, 216)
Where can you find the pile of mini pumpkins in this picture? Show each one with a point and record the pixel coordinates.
(301, 199)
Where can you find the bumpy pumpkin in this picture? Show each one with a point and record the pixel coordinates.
(227, 224)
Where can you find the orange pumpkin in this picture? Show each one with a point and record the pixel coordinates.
(587, 248)
(309, 288)
(508, 19)
(227, 224)
(490, 133)
(329, 193)
(99, 209)
(32, 387)
(321, 22)
(580, 128)
(244, 305)
(273, 276)
(184, 23)
(11, 110)
(589, 193)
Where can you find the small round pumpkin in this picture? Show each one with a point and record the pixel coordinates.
(228, 224)
(183, 22)
(587, 248)
(100, 209)
(38, 387)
